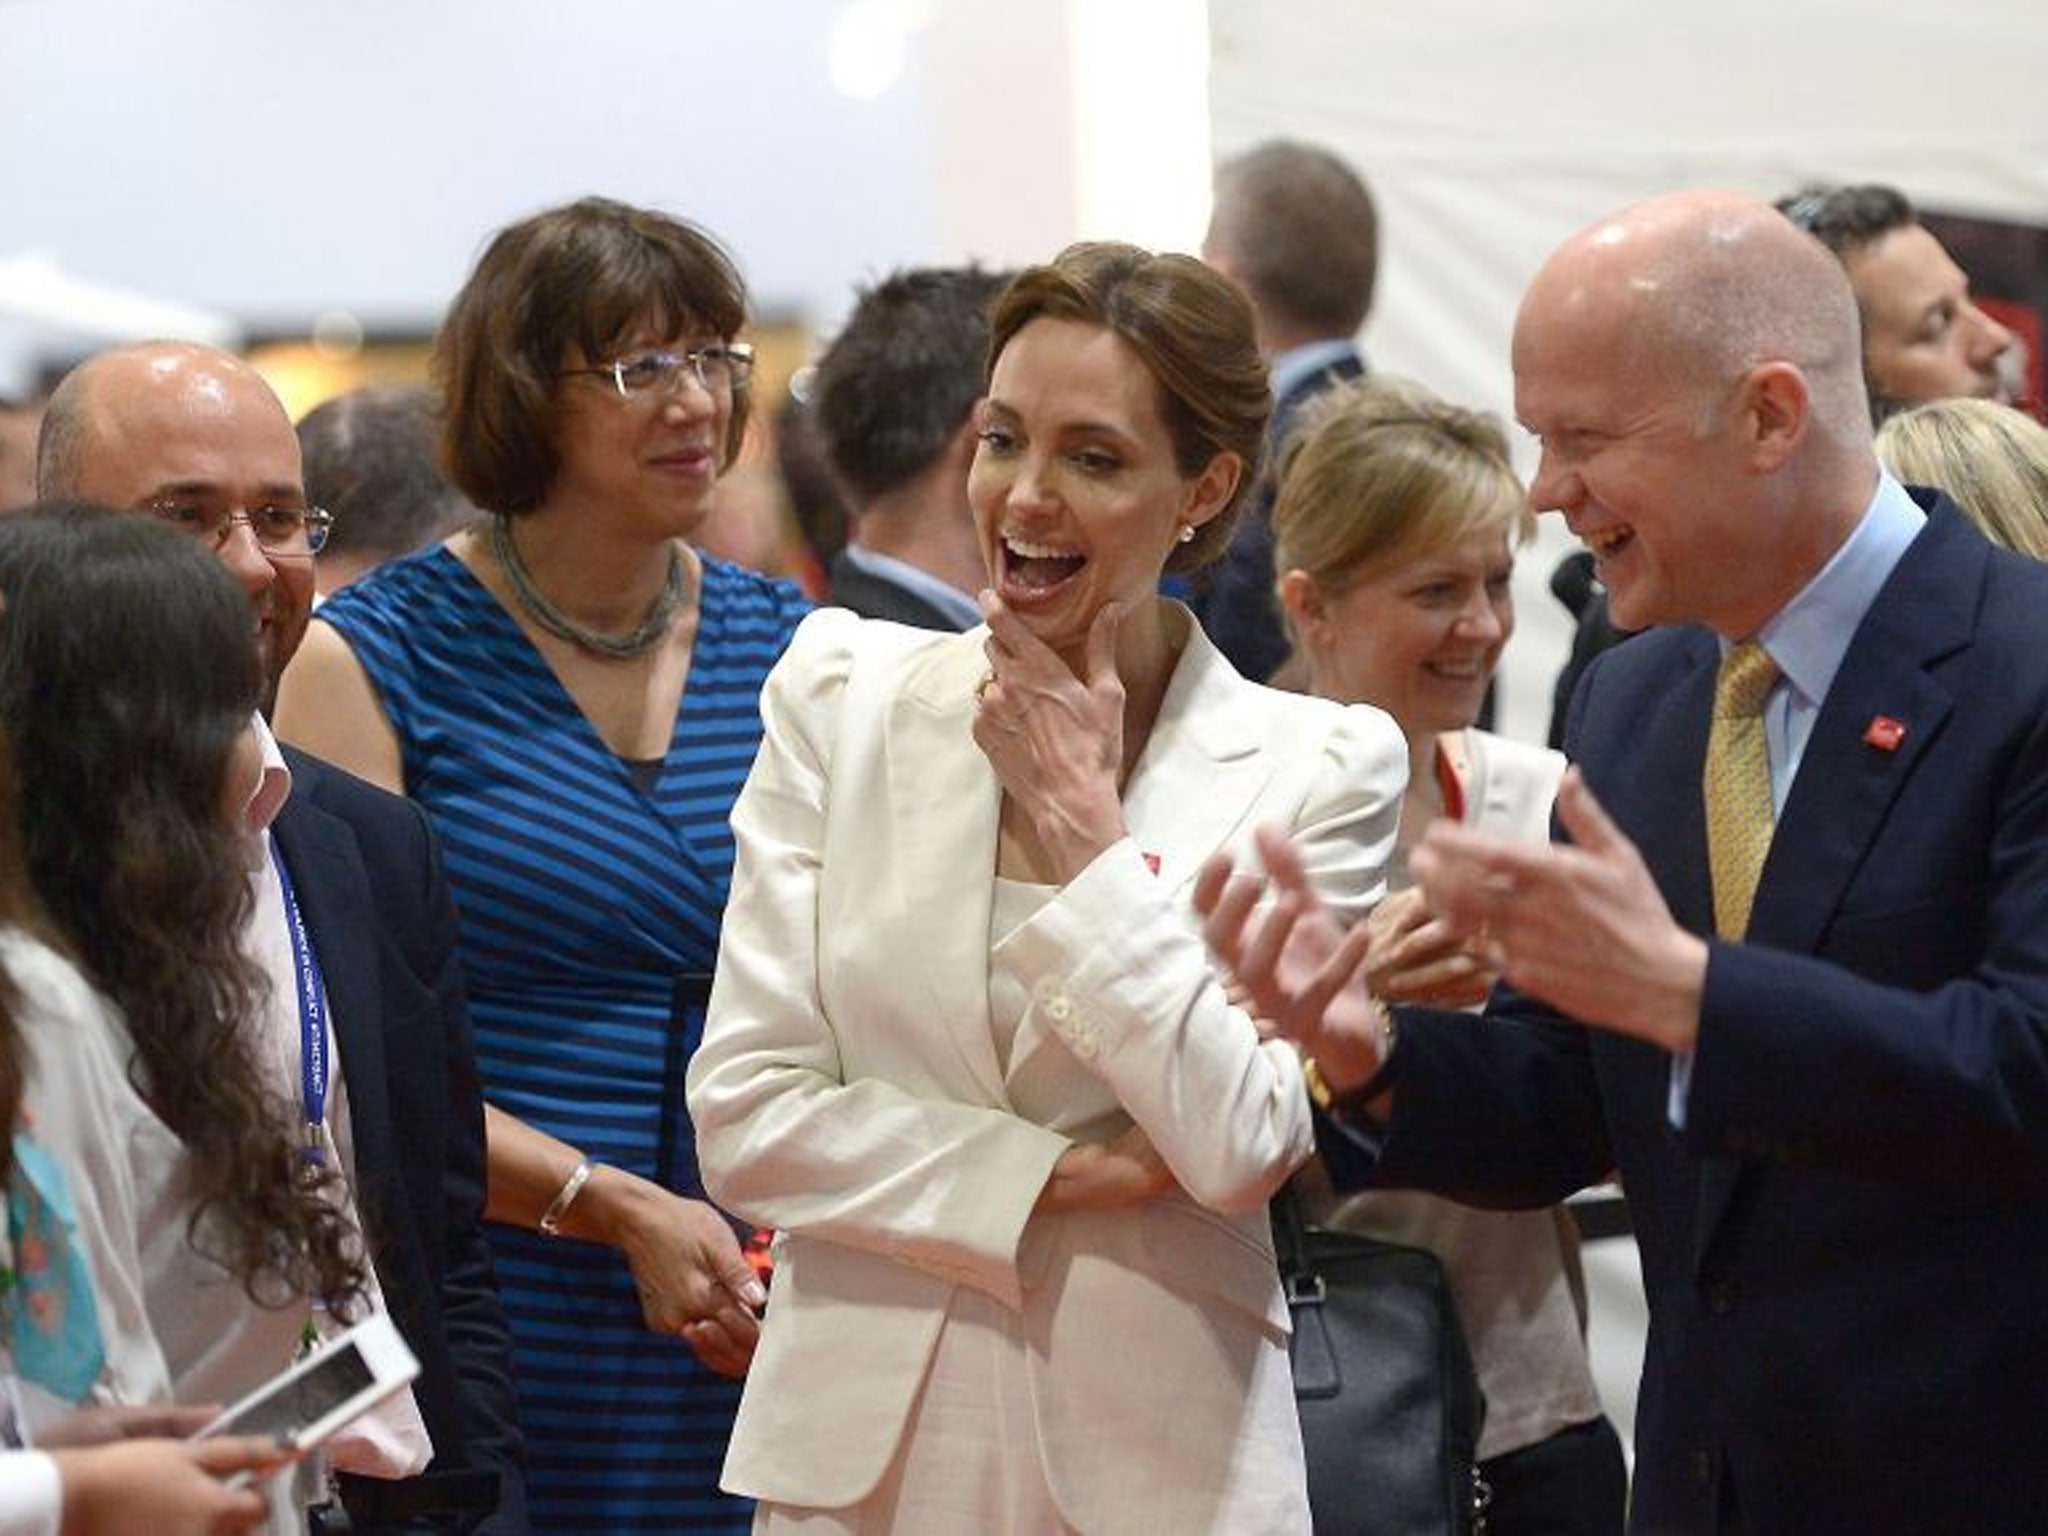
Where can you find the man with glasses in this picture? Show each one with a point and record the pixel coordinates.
(195, 437)
(191, 436)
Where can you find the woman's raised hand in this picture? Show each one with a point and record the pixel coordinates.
(1056, 741)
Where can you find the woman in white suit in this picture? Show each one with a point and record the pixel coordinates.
(966, 1050)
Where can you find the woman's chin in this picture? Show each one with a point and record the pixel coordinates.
(1443, 722)
(1063, 631)
(1062, 617)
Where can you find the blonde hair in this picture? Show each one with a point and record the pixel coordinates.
(1992, 459)
(1383, 470)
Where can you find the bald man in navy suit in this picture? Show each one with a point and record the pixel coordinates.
(1833, 1129)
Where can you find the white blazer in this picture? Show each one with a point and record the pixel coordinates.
(848, 1090)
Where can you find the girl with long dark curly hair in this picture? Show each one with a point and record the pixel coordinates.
(110, 1472)
(128, 680)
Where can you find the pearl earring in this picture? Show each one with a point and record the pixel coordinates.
(1187, 532)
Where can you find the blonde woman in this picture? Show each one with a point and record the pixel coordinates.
(1991, 458)
(1395, 529)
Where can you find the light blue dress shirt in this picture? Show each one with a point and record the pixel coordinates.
(1289, 368)
(1810, 635)
(1808, 638)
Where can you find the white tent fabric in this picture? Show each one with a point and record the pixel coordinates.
(34, 288)
(46, 312)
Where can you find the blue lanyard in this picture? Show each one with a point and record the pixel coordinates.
(312, 1018)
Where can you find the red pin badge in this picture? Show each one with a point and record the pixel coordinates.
(1885, 733)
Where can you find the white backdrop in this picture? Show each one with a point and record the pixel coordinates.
(269, 160)
(1491, 129)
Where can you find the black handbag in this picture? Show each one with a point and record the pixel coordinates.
(1390, 1407)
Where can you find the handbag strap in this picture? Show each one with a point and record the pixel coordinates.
(1290, 1237)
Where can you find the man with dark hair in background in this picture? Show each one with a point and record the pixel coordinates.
(1295, 227)
(817, 503)
(893, 402)
(1923, 337)
(371, 459)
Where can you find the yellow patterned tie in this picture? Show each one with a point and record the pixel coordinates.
(1737, 785)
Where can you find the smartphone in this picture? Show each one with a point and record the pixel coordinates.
(342, 1379)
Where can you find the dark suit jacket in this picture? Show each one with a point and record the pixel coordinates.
(877, 597)
(1234, 598)
(1844, 1250)
(1595, 632)
(367, 870)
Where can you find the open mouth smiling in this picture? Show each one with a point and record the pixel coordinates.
(1473, 671)
(1035, 569)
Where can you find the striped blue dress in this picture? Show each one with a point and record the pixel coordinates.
(588, 902)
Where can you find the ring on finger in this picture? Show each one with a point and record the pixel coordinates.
(981, 688)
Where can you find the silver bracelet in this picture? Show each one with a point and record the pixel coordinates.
(551, 1218)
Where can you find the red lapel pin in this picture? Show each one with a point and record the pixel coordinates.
(1885, 733)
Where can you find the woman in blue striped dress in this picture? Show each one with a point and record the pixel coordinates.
(571, 691)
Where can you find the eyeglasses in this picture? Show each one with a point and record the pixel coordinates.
(719, 369)
(285, 531)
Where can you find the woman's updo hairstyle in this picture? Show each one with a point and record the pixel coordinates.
(1191, 328)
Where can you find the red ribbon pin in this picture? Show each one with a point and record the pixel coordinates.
(1885, 733)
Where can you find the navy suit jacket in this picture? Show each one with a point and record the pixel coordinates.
(367, 870)
(877, 597)
(1234, 598)
(1845, 1249)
